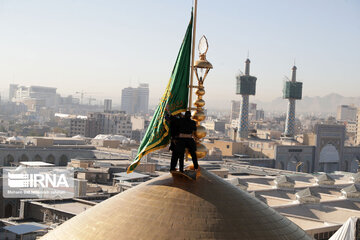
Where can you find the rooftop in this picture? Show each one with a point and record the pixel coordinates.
(36, 164)
(25, 228)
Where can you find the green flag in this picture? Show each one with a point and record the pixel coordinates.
(175, 99)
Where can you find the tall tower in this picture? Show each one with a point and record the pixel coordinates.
(245, 86)
(107, 105)
(292, 91)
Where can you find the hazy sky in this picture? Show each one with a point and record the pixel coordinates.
(101, 47)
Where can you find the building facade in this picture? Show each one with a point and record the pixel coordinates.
(33, 96)
(235, 110)
(135, 100)
(346, 113)
(86, 127)
(113, 122)
(107, 105)
(328, 153)
(357, 138)
(110, 122)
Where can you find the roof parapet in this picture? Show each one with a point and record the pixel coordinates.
(284, 181)
(307, 196)
(324, 179)
(352, 191)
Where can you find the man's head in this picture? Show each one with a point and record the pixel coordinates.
(188, 114)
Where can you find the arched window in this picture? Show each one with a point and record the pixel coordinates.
(346, 169)
(8, 160)
(38, 158)
(24, 158)
(281, 165)
(50, 159)
(63, 160)
(292, 163)
(309, 166)
(305, 167)
(329, 159)
(354, 165)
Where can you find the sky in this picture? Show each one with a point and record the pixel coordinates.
(101, 47)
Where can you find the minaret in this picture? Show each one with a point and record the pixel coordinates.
(292, 91)
(245, 86)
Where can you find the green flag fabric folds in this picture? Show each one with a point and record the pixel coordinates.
(175, 99)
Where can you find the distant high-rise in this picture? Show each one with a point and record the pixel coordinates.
(33, 96)
(143, 98)
(235, 110)
(252, 111)
(254, 114)
(12, 91)
(357, 139)
(135, 100)
(107, 105)
(260, 115)
(292, 91)
(346, 113)
(128, 100)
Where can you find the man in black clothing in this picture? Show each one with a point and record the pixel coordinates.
(186, 128)
(174, 146)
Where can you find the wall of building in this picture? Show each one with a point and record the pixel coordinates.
(262, 148)
(57, 155)
(78, 127)
(309, 139)
(111, 143)
(357, 139)
(351, 159)
(329, 136)
(346, 113)
(258, 162)
(8, 206)
(43, 142)
(227, 148)
(36, 210)
(268, 134)
(135, 100)
(287, 157)
(34, 96)
(115, 122)
(235, 110)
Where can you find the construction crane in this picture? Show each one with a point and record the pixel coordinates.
(81, 96)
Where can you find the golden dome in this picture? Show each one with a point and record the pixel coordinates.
(170, 207)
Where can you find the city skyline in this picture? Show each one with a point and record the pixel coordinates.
(103, 48)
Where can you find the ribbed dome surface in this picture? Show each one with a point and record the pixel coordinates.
(170, 207)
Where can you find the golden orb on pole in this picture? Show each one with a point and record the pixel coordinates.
(201, 68)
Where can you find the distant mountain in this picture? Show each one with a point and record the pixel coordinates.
(326, 104)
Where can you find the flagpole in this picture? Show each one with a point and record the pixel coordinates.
(192, 57)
